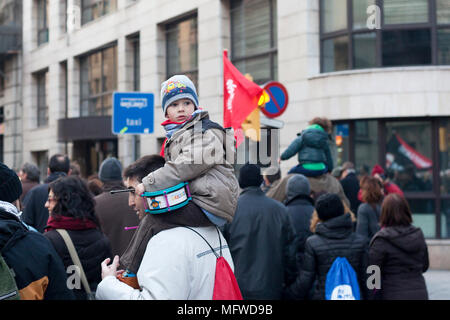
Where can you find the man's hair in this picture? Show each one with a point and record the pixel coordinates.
(395, 211)
(59, 163)
(143, 166)
(273, 177)
(32, 171)
(348, 165)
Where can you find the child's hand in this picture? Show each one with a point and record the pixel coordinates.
(140, 189)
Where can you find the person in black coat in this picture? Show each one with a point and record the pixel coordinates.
(35, 214)
(71, 207)
(39, 272)
(350, 184)
(300, 207)
(333, 238)
(400, 251)
(260, 239)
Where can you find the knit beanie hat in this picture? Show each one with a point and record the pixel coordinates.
(377, 169)
(297, 185)
(10, 185)
(329, 206)
(250, 176)
(176, 88)
(110, 170)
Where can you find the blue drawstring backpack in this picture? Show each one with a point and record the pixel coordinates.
(341, 282)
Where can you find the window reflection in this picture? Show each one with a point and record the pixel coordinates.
(445, 219)
(408, 154)
(444, 155)
(366, 145)
(424, 216)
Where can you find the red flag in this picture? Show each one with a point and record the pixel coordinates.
(240, 97)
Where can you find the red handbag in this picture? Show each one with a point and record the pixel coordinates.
(225, 283)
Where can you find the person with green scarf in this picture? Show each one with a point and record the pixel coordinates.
(312, 147)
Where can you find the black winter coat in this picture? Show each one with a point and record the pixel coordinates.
(300, 210)
(402, 255)
(350, 184)
(39, 272)
(92, 247)
(260, 239)
(35, 213)
(334, 238)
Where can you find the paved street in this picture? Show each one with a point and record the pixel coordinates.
(438, 284)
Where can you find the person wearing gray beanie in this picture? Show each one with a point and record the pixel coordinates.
(110, 170)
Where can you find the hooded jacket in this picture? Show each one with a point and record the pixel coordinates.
(334, 238)
(402, 255)
(260, 239)
(201, 152)
(312, 147)
(39, 272)
(300, 207)
(35, 213)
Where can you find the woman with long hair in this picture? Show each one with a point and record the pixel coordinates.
(369, 211)
(72, 208)
(400, 251)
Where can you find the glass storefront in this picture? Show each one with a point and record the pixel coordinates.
(409, 157)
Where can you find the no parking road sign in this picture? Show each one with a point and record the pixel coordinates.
(279, 100)
(132, 113)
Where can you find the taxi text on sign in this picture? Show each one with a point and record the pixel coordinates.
(133, 113)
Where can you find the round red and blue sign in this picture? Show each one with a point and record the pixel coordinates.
(279, 100)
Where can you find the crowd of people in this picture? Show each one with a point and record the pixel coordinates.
(280, 236)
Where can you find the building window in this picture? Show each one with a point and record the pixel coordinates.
(2, 77)
(98, 82)
(42, 15)
(136, 56)
(254, 38)
(406, 148)
(182, 48)
(413, 32)
(93, 9)
(42, 107)
(11, 13)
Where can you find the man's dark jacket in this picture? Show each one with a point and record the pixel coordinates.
(402, 255)
(260, 238)
(350, 184)
(39, 272)
(35, 213)
(300, 210)
(114, 214)
(334, 238)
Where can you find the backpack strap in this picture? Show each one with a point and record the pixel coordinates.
(75, 259)
(212, 249)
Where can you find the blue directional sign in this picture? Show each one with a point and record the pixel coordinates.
(132, 113)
